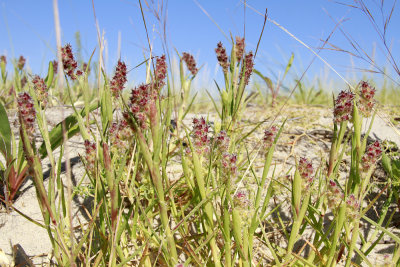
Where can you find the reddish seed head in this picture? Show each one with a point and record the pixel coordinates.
(3, 59)
(11, 92)
(366, 101)
(269, 136)
(229, 168)
(142, 97)
(372, 154)
(55, 66)
(306, 170)
(89, 146)
(41, 90)
(343, 106)
(24, 80)
(69, 63)
(335, 195)
(85, 67)
(120, 136)
(241, 199)
(248, 64)
(353, 207)
(239, 48)
(21, 62)
(222, 57)
(90, 149)
(160, 73)
(190, 63)
(200, 135)
(118, 81)
(27, 113)
(222, 142)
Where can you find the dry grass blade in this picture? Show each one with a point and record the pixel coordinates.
(305, 45)
(262, 31)
(211, 18)
(360, 53)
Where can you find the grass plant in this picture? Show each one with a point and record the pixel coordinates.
(217, 209)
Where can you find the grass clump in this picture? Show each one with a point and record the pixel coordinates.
(216, 212)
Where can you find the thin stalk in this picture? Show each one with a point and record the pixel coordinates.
(341, 217)
(227, 225)
(296, 227)
(157, 180)
(353, 242)
(208, 207)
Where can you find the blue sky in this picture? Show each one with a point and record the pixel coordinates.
(27, 28)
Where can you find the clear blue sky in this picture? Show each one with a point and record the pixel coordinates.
(27, 28)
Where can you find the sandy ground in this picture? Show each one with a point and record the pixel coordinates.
(301, 130)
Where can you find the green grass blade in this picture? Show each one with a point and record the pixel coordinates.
(393, 236)
(71, 125)
(215, 104)
(5, 133)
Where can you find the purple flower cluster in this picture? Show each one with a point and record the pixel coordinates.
(343, 106)
(24, 80)
(222, 57)
(344, 103)
(335, 195)
(239, 48)
(306, 170)
(55, 66)
(366, 101)
(190, 63)
(160, 73)
(27, 113)
(3, 59)
(21, 62)
(248, 64)
(11, 91)
(41, 90)
(69, 63)
(241, 199)
(120, 136)
(201, 140)
(90, 149)
(143, 97)
(269, 137)
(371, 156)
(229, 168)
(222, 142)
(118, 81)
(86, 67)
(140, 101)
(352, 206)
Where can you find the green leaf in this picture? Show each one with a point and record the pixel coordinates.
(106, 104)
(267, 80)
(215, 104)
(289, 65)
(190, 105)
(50, 75)
(296, 193)
(387, 164)
(395, 168)
(390, 234)
(71, 126)
(5, 133)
